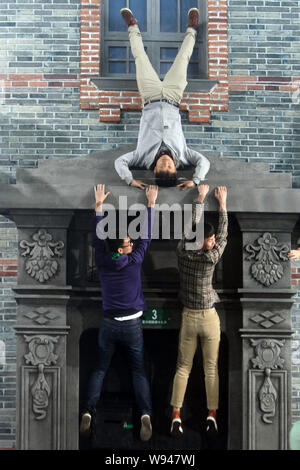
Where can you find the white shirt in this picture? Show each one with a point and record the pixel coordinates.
(161, 122)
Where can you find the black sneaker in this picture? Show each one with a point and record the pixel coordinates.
(176, 428)
(211, 427)
(85, 424)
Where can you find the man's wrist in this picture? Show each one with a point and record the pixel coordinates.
(98, 206)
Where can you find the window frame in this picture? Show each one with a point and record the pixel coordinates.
(153, 41)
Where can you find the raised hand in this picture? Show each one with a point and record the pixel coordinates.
(202, 192)
(294, 255)
(151, 194)
(221, 196)
(100, 196)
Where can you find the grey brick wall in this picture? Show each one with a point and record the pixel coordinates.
(44, 121)
(8, 251)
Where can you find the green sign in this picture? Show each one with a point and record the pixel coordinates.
(156, 316)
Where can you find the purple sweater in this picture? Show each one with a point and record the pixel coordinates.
(121, 278)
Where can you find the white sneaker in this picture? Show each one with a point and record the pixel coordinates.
(211, 427)
(176, 428)
(146, 428)
(85, 424)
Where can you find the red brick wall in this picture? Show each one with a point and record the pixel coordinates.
(295, 277)
(8, 267)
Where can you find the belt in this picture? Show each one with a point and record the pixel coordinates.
(173, 103)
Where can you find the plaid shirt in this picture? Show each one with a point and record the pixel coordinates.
(196, 267)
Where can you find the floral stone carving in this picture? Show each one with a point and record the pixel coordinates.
(42, 253)
(41, 354)
(268, 255)
(267, 358)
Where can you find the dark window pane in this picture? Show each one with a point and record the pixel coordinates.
(132, 67)
(194, 56)
(168, 53)
(168, 16)
(117, 52)
(164, 67)
(193, 69)
(139, 9)
(185, 5)
(117, 67)
(115, 20)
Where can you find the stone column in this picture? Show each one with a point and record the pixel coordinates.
(42, 296)
(266, 299)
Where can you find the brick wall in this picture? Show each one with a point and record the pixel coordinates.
(8, 273)
(48, 109)
(296, 344)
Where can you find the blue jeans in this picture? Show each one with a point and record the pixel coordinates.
(129, 334)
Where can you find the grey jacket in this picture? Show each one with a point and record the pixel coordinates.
(161, 122)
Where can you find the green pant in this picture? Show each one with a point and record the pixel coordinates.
(205, 324)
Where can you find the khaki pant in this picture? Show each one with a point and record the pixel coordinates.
(205, 324)
(149, 84)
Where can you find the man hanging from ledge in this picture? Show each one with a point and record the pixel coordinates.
(199, 316)
(123, 304)
(161, 144)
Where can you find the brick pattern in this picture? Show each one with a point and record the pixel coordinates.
(296, 277)
(38, 80)
(296, 344)
(89, 53)
(8, 273)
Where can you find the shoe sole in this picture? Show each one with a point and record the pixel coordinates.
(85, 425)
(212, 428)
(146, 430)
(175, 429)
(126, 9)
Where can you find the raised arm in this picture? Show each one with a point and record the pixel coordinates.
(221, 236)
(122, 165)
(198, 209)
(146, 231)
(100, 196)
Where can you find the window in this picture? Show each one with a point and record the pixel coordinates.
(162, 24)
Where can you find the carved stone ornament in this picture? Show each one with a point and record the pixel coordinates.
(268, 255)
(41, 354)
(267, 319)
(41, 315)
(41, 264)
(268, 358)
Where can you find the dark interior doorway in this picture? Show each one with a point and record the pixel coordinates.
(117, 422)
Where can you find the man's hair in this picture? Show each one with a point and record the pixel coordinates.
(209, 230)
(166, 179)
(114, 243)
